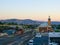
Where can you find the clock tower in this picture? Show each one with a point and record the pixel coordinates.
(49, 21)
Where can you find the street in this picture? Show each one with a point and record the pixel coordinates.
(17, 39)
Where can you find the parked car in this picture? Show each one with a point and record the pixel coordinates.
(30, 42)
(53, 43)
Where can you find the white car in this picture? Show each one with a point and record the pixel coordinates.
(30, 42)
(53, 43)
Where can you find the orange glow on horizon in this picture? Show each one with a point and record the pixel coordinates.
(41, 16)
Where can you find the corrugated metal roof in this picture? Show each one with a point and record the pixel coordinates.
(54, 34)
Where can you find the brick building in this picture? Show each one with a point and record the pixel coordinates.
(46, 27)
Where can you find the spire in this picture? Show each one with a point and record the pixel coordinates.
(49, 18)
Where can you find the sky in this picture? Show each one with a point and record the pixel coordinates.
(30, 9)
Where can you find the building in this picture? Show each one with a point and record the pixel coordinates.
(51, 38)
(46, 27)
(54, 37)
(10, 31)
(20, 31)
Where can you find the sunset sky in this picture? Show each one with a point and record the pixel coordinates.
(30, 9)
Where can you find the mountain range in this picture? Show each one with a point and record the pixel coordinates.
(27, 21)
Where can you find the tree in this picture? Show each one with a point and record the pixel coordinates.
(58, 27)
(12, 23)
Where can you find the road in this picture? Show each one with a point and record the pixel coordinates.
(17, 39)
(43, 40)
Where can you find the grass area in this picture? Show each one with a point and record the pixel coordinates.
(57, 30)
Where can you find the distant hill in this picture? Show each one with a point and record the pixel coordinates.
(56, 22)
(26, 21)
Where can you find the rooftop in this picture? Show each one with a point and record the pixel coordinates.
(44, 25)
(54, 34)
